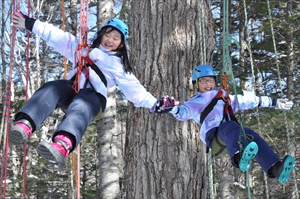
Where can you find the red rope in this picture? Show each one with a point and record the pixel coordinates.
(6, 112)
(80, 61)
(27, 82)
(83, 33)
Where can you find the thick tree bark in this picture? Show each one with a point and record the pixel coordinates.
(164, 158)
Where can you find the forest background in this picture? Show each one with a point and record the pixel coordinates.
(131, 152)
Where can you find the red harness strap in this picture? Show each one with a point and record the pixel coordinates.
(228, 112)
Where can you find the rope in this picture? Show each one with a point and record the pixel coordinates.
(73, 158)
(63, 28)
(75, 169)
(26, 99)
(227, 66)
(6, 111)
(83, 33)
(253, 81)
(81, 61)
(279, 76)
(201, 18)
(210, 175)
(218, 179)
(78, 171)
(227, 38)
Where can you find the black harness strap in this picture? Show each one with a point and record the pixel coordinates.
(91, 64)
(210, 106)
(228, 112)
(97, 70)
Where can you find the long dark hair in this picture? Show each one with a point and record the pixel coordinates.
(121, 51)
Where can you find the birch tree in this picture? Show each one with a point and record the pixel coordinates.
(107, 126)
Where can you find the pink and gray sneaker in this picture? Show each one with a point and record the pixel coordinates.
(57, 152)
(20, 132)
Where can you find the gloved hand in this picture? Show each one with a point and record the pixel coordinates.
(284, 104)
(164, 104)
(20, 20)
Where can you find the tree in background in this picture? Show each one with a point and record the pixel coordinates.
(163, 157)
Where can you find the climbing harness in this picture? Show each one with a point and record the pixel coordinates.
(218, 145)
(90, 63)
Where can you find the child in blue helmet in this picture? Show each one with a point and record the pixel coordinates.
(216, 125)
(109, 66)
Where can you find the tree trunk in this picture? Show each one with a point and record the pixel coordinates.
(107, 127)
(164, 158)
(109, 172)
(105, 11)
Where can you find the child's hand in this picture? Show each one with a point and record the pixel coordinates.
(18, 19)
(284, 104)
(164, 104)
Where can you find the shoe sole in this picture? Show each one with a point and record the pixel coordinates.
(17, 136)
(288, 167)
(249, 153)
(54, 157)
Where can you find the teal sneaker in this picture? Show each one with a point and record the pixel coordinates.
(283, 169)
(249, 153)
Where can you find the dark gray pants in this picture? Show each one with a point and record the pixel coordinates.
(80, 108)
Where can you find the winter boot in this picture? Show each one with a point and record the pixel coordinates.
(57, 152)
(248, 154)
(20, 132)
(283, 169)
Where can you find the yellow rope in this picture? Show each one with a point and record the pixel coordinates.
(64, 28)
(74, 161)
(252, 87)
(279, 76)
(73, 158)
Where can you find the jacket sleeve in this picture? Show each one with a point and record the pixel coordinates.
(134, 91)
(191, 109)
(63, 42)
(245, 102)
(127, 83)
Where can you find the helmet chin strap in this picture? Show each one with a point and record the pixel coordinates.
(197, 86)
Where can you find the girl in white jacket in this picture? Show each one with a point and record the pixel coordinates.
(108, 66)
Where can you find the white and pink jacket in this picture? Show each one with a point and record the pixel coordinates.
(110, 65)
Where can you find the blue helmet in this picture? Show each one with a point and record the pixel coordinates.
(119, 25)
(203, 71)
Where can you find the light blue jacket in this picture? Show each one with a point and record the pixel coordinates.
(110, 65)
(193, 107)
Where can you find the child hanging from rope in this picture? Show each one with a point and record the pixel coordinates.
(108, 66)
(216, 125)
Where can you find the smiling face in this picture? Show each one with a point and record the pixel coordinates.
(111, 40)
(206, 84)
